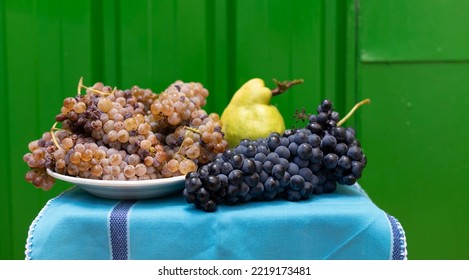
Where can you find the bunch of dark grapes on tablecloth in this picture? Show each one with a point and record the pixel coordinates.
(295, 165)
(343, 159)
(132, 134)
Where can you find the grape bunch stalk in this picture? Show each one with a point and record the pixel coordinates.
(132, 134)
(294, 165)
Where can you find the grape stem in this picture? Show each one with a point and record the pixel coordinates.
(194, 130)
(344, 119)
(284, 86)
(190, 130)
(81, 86)
(52, 130)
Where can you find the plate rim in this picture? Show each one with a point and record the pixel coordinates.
(151, 183)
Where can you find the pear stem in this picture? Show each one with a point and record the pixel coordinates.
(344, 119)
(284, 86)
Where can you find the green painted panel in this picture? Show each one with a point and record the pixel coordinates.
(165, 42)
(419, 30)
(22, 124)
(175, 40)
(220, 53)
(224, 42)
(46, 47)
(6, 250)
(108, 35)
(276, 39)
(351, 59)
(415, 137)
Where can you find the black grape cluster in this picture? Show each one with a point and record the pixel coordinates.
(295, 165)
(343, 159)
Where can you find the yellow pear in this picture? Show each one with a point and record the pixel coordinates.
(249, 115)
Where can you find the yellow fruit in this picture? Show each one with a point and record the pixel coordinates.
(249, 115)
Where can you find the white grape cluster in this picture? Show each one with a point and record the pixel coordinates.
(133, 134)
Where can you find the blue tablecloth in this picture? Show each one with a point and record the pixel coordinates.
(342, 225)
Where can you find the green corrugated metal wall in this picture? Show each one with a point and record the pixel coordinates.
(413, 68)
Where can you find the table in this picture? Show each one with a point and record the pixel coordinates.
(343, 225)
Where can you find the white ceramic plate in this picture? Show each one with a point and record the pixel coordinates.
(125, 189)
